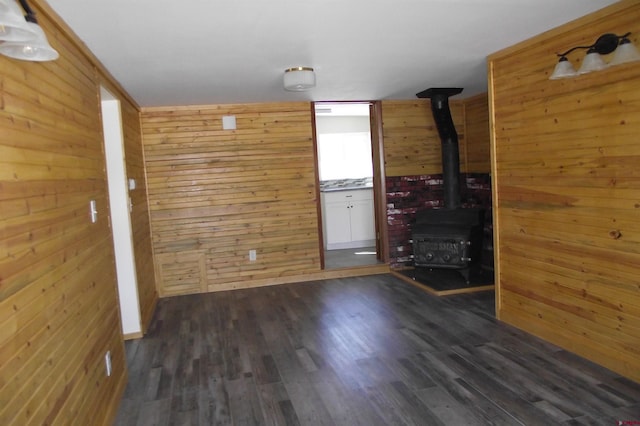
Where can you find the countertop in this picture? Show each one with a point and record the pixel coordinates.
(346, 184)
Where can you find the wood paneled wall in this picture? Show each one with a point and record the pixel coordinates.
(567, 193)
(58, 294)
(140, 224)
(477, 136)
(215, 194)
(411, 141)
(412, 145)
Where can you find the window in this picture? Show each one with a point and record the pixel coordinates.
(345, 155)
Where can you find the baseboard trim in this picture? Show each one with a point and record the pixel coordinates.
(435, 292)
(322, 275)
(132, 336)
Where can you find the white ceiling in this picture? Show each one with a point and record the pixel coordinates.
(191, 52)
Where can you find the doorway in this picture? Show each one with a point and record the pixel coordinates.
(119, 208)
(345, 163)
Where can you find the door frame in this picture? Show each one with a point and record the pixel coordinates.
(379, 181)
(379, 188)
(119, 215)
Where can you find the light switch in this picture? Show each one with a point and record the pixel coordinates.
(93, 211)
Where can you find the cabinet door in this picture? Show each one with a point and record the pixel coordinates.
(362, 220)
(337, 222)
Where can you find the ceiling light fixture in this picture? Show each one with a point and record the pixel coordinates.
(21, 37)
(299, 79)
(605, 44)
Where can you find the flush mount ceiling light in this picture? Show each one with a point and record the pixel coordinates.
(298, 79)
(605, 44)
(21, 36)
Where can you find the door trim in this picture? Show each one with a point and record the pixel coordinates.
(379, 187)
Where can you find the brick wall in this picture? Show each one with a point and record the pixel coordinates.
(408, 194)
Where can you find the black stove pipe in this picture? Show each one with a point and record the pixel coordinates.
(449, 139)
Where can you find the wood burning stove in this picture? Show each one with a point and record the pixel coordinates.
(450, 237)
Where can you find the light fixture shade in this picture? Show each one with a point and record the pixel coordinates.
(563, 69)
(626, 52)
(37, 49)
(298, 79)
(13, 26)
(592, 62)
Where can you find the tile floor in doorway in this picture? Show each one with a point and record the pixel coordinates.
(346, 258)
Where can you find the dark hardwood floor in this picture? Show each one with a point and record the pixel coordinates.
(358, 351)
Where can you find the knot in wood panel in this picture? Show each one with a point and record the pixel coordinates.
(615, 234)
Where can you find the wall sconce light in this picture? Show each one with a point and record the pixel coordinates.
(299, 79)
(625, 51)
(20, 36)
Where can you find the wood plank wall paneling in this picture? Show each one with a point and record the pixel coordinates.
(58, 303)
(477, 136)
(412, 144)
(140, 224)
(217, 194)
(567, 193)
(411, 141)
(58, 300)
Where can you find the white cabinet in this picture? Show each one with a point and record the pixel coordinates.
(337, 219)
(348, 219)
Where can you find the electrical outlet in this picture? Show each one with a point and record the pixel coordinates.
(107, 362)
(252, 255)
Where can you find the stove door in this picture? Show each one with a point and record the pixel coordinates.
(441, 252)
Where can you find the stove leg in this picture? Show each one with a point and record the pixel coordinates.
(466, 272)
